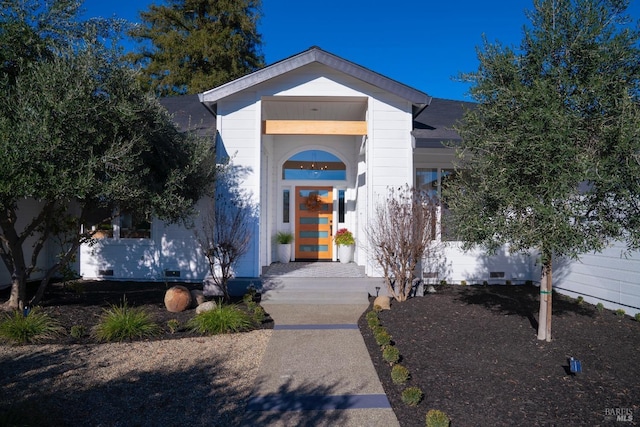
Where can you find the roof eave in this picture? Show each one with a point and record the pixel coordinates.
(419, 100)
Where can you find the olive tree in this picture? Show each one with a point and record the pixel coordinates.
(81, 139)
(551, 153)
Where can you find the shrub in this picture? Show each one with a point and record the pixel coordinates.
(37, 326)
(391, 354)
(637, 317)
(78, 331)
(600, 307)
(437, 418)
(373, 322)
(620, 312)
(173, 325)
(443, 282)
(377, 308)
(223, 319)
(463, 282)
(258, 314)
(412, 396)
(399, 374)
(121, 322)
(371, 315)
(382, 337)
(580, 300)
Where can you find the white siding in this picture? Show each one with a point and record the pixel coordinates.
(610, 277)
(171, 247)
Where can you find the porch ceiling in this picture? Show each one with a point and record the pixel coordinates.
(314, 108)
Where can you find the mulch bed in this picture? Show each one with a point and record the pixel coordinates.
(81, 303)
(474, 353)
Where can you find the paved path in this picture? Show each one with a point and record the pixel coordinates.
(317, 371)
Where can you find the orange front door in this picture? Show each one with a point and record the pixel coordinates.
(314, 223)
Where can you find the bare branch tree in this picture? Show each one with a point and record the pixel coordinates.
(402, 229)
(226, 231)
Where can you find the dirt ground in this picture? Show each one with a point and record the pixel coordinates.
(474, 353)
(81, 303)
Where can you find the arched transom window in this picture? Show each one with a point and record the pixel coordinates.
(314, 165)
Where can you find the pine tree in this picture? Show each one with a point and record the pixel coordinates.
(190, 46)
(551, 153)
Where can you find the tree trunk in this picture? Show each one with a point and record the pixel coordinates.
(544, 315)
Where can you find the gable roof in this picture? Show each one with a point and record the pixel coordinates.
(419, 99)
(189, 114)
(435, 125)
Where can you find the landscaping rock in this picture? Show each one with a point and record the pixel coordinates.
(206, 306)
(197, 297)
(383, 302)
(431, 289)
(177, 299)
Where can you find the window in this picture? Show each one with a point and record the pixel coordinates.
(314, 165)
(341, 206)
(134, 226)
(432, 181)
(285, 206)
(124, 226)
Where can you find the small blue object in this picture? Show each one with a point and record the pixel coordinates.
(25, 311)
(575, 366)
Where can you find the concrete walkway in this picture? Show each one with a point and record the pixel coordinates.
(317, 371)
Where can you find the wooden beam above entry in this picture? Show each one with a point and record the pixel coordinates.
(314, 127)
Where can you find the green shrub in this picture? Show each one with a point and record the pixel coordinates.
(78, 331)
(443, 282)
(122, 322)
(258, 314)
(377, 308)
(485, 283)
(371, 315)
(412, 396)
(463, 282)
(600, 307)
(223, 319)
(399, 374)
(437, 418)
(37, 326)
(382, 337)
(580, 300)
(391, 354)
(173, 325)
(373, 322)
(637, 317)
(508, 282)
(620, 312)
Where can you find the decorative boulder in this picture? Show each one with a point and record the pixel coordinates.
(431, 289)
(197, 297)
(383, 302)
(206, 306)
(177, 299)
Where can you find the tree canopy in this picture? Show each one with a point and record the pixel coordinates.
(189, 46)
(550, 158)
(81, 138)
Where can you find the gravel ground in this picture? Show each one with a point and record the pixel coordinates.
(201, 381)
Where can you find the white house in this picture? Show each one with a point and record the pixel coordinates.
(316, 141)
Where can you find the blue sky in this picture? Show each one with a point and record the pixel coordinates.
(421, 43)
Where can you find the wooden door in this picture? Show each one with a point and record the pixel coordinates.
(314, 223)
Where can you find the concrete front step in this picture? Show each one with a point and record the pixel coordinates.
(317, 290)
(314, 297)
